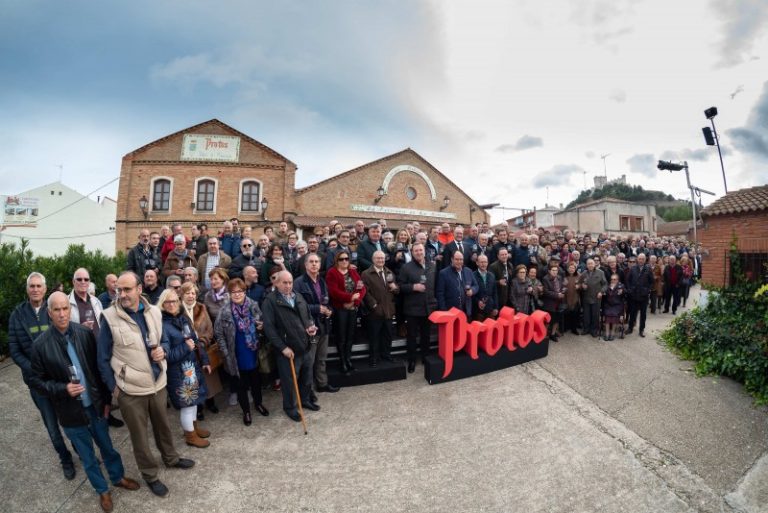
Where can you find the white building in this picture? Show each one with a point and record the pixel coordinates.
(54, 216)
(609, 215)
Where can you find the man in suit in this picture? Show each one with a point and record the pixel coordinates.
(434, 248)
(639, 286)
(485, 302)
(368, 246)
(502, 270)
(457, 244)
(343, 239)
(215, 257)
(416, 281)
(503, 235)
(380, 300)
(455, 286)
(673, 277)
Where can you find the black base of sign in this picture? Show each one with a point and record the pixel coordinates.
(465, 367)
(366, 375)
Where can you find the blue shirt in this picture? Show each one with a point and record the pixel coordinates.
(76, 362)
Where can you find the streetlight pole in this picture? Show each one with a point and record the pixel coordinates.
(710, 113)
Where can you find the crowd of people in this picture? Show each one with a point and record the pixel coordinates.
(193, 315)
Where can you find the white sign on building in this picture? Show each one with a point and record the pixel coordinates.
(19, 210)
(219, 148)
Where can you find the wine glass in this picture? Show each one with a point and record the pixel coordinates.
(186, 331)
(89, 316)
(423, 279)
(359, 285)
(74, 377)
(390, 278)
(149, 342)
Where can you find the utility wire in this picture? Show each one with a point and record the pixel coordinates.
(67, 206)
(8, 235)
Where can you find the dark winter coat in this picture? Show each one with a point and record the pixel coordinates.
(24, 327)
(225, 333)
(286, 325)
(186, 384)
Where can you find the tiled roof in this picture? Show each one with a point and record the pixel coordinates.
(753, 199)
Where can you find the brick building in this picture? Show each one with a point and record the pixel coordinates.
(211, 172)
(743, 214)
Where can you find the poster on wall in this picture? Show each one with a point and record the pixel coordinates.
(19, 210)
(218, 148)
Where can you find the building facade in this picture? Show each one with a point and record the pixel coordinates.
(609, 215)
(54, 216)
(739, 217)
(211, 172)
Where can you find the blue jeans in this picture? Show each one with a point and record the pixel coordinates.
(82, 438)
(51, 422)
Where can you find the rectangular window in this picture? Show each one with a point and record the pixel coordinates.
(205, 195)
(631, 224)
(250, 197)
(161, 196)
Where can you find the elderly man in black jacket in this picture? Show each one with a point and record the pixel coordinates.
(289, 325)
(64, 369)
(416, 282)
(639, 284)
(27, 322)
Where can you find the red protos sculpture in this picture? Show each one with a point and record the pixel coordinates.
(510, 330)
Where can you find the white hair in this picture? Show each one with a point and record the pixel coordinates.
(35, 274)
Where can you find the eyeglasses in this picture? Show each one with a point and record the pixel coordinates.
(236, 292)
(247, 245)
(175, 287)
(82, 279)
(343, 259)
(170, 302)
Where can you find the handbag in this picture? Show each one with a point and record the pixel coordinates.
(265, 360)
(214, 356)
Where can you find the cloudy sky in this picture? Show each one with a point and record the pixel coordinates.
(513, 100)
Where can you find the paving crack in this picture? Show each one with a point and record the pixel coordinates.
(676, 476)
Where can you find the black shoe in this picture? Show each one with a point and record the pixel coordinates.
(263, 411)
(610, 338)
(311, 406)
(674, 312)
(349, 364)
(312, 396)
(294, 416)
(158, 488)
(553, 338)
(584, 333)
(69, 470)
(411, 367)
(373, 363)
(387, 358)
(328, 388)
(665, 311)
(629, 331)
(575, 332)
(211, 405)
(247, 418)
(114, 421)
(200, 412)
(183, 463)
(642, 334)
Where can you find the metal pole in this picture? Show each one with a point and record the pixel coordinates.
(693, 205)
(717, 141)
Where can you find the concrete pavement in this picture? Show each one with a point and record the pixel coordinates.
(617, 426)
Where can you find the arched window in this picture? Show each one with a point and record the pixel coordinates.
(161, 195)
(206, 193)
(249, 196)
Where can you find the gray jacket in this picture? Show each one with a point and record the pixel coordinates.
(225, 331)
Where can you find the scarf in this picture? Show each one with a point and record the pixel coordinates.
(244, 321)
(220, 294)
(189, 310)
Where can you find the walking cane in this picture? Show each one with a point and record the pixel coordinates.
(298, 397)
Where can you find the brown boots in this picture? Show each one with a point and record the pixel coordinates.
(197, 437)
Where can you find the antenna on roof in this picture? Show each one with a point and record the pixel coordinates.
(605, 169)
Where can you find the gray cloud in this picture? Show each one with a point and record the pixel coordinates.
(642, 163)
(699, 154)
(526, 142)
(743, 22)
(749, 141)
(560, 174)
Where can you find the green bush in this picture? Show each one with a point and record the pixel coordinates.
(728, 337)
(17, 262)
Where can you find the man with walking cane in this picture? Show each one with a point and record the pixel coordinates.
(289, 326)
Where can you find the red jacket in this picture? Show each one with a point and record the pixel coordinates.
(336, 290)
